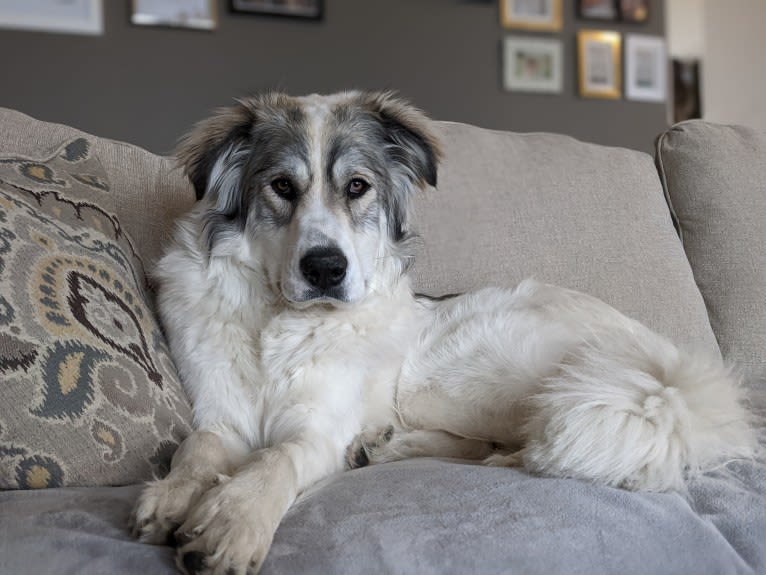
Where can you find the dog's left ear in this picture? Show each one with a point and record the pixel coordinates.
(410, 140)
(215, 140)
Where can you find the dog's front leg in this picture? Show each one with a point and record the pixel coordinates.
(196, 466)
(231, 529)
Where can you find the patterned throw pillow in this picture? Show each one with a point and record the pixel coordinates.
(88, 392)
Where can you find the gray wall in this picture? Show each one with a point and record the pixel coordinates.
(148, 85)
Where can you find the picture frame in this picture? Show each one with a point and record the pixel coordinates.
(687, 103)
(533, 15)
(84, 17)
(305, 9)
(194, 14)
(636, 11)
(598, 10)
(532, 65)
(599, 64)
(645, 68)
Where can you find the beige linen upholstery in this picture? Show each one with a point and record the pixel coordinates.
(587, 217)
(715, 180)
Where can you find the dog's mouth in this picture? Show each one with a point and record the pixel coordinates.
(312, 298)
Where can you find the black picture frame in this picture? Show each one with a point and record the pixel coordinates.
(301, 9)
(687, 81)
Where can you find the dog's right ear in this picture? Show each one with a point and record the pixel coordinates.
(217, 143)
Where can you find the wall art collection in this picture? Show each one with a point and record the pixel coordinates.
(87, 16)
(608, 65)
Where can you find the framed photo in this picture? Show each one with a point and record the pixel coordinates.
(597, 9)
(70, 17)
(295, 8)
(532, 65)
(599, 68)
(197, 14)
(686, 90)
(645, 68)
(538, 15)
(634, 10)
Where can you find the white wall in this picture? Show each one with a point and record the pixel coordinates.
(729, 37)
(684, 22)
(734, 62)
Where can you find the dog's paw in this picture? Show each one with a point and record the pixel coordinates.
(225, 534)
(361, 451)
(162, 507)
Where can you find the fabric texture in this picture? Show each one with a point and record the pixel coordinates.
(715, 180)
(429, 516)
(149, 191)
(591, 218)
(90, 395)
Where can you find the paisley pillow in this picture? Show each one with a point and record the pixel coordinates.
(89, 393)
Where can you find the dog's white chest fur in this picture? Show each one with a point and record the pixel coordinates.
(271, 370)
(332, 369)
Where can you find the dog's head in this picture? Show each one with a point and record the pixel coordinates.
(314, 191)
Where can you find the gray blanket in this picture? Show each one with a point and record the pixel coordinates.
(429, 516)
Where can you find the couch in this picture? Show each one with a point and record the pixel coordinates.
(92, 407)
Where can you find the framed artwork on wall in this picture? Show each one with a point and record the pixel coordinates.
(599, 66)
(535, 15)
(597, 9)
(634, 10)
(687, 103)
(311, 9)
(197, 14)
(71, 17)
(645, 68)
(532, 65)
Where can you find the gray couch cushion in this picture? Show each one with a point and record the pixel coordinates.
(429, 517)
(715, 181)
(588, 217)
(75, 530)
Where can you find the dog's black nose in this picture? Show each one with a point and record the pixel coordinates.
(324, 268)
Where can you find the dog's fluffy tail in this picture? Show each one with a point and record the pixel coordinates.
(638, 415)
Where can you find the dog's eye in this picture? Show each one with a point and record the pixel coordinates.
(283, 188)
(357, 188)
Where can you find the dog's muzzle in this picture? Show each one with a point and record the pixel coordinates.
(324, 268)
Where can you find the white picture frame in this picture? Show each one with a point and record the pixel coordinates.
(60, 16)
(532, 65)
(646, 71)
(195, 14)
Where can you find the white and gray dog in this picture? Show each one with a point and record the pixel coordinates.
(291, 317)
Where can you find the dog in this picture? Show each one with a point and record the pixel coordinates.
(290, 315)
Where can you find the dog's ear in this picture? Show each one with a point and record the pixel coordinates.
(412, 151)
(216, 143)
(410, 140)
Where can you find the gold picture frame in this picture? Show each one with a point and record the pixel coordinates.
(533, 15)
(599, 64)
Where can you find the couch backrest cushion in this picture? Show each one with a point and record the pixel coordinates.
(588, 217)
(89, 393)
(715, 180)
